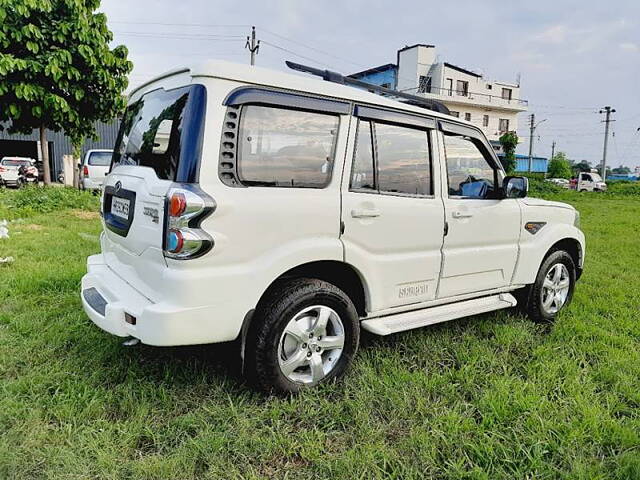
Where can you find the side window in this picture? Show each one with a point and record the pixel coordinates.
(391, 159)
(403, 160)
(286, 148)
(469, 173)
(362, 176)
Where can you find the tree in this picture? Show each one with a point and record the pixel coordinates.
(582, 166)
(621, 170)
(57, 71)
(509, 142)
(559, 166)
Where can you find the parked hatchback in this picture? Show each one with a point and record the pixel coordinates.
(95, 166)
(288, 213)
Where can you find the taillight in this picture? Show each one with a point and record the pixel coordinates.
(186, 207)
(2, 169)
(85, 171)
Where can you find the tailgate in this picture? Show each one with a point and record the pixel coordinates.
(133, 208)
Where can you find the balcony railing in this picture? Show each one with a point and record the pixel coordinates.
(451, 92)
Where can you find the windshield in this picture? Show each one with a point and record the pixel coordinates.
(15, 163)
(150, 134)
(596, 178)
(100, 159)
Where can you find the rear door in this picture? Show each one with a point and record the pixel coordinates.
(481, 246)
(391, 208)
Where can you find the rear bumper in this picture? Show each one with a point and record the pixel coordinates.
(89, 184)
(108, 299)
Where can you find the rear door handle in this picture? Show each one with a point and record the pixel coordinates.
(362, 213)
(461, 214)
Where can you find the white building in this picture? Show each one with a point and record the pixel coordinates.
(493, 106)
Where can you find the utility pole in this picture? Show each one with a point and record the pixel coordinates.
(553, 150)
(607, 111)
(252, 45)
(532, 130)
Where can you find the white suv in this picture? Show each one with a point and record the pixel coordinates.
(287, 213)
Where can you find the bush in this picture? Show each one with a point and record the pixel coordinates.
(623, 187)
(32, 199)
(538, 187)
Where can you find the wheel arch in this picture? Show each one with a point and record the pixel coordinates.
(573, 247)
(341, 274)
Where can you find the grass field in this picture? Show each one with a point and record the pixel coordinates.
(489, 397)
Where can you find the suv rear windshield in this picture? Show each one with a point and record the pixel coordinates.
(100, 159)
(151, 133)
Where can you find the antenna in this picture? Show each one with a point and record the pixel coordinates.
(334, 77)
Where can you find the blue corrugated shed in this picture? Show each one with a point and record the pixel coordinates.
(538, 164)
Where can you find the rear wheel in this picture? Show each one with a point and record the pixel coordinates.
(305, 334)
(553, 288)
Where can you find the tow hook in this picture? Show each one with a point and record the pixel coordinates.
(131, 342)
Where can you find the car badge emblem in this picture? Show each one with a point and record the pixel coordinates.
(118, 186)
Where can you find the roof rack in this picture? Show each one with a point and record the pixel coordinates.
(334, 77)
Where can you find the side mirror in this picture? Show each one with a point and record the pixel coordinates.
(515, 187)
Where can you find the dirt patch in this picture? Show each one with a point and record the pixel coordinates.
(32, 226)
(85, 215)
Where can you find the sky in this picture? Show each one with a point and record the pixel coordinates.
(573, 57)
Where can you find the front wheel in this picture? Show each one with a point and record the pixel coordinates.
(553, 288)
(305, 333)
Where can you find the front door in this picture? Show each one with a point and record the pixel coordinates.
(393, 218)
(481, 246)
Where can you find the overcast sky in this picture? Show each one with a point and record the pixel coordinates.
(574, 57)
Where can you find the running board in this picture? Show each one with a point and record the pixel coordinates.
(442, 313)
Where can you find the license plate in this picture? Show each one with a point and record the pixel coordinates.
(120, 207)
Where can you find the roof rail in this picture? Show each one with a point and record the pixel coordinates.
(334, 77)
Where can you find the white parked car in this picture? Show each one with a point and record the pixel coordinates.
(561, 182)
(289, 213)
(95, 166)
(10, 174)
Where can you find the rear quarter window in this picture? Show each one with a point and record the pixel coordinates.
(281, 147)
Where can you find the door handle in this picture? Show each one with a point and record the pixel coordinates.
(458, 214)
(362, 213)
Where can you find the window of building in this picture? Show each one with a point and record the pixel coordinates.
(286, 148)
(467, 117)
(402, 162)
(485, 120)
(469, 173)
(450, 86)
(506, 93)
(489, 86)
(455, 114)
(462, 88)
(424, 84)
(362, 176)
(503, 125)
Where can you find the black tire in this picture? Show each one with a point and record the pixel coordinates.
(531, 297)
(284, 301)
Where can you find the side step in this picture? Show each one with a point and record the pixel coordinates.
(442, 313)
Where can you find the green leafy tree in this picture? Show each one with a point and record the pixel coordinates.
(582, 166)
(57, 70)
(509, 142)
(559, 166)
(621, 170)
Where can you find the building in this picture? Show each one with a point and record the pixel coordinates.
(59, 144)
(492, 106)
(538, 164)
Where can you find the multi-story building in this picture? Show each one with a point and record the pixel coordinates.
(493, 106)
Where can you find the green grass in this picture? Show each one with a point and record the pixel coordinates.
(489, 397)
